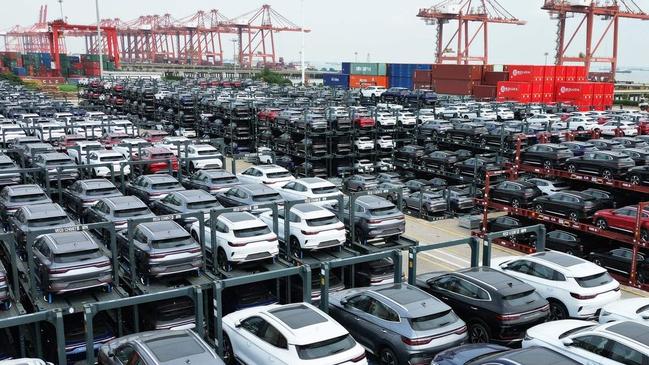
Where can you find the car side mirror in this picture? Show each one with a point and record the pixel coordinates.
(567, 342)
(111, 353)
(504, 266)
(237, 323)
(343, 302)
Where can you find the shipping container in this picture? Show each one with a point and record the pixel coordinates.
(454, 87)
(405, 69)
(336, 80)
(346, 68)
(574, 92)
(422, 77)
(457, 72)
(570, 73)
(581, 74)
(360, 81)
(525, 73)
(482, 92)
(369, 69)
(493, 77)
(559, 73)
(549, 74)
(422, 85)
(400, 82)
(512, 90)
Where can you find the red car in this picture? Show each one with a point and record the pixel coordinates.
(157, 153)
(108, 140)
(69, 140)
(364, 122)
(623, 219)
(153, 135)
(268, 114)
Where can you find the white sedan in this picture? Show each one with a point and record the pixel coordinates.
(626, 128)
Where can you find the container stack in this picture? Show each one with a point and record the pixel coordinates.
(456, 79)
(403, 74)
(367, 74)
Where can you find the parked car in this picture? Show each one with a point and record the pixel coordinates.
(574, 287)
(248, 194)
(271, 175)
(606, 144)
(16, 196)
(549, 187)
(113, 158)
(623, 219)
(399, 323)
(428, 202)
(488, 354)
(470, 166)
(374, 217)
(292, 333)
(568, 203)
(409, 153)
(158, 347)
(240, 238)
(619, 260)
(55, 166)
(156, 160)
(442, 160)
(639, 155)
(212, 181)
(505, 222)
(638, 175)
(116, 210)
(311, 227)
(86, 193)
(547, 155)
(34, 217)
(150, 188)
(589, 343)
(578, 148)
(185, 202)
(375, 272)
(204, 156)
(360, 182)
(162, 249)
(70, 261)
(515, 193)
(563, 241)
(7, 177)
(604, 198)
(630, 309)
(496, 307)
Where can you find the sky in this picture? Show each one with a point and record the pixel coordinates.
(381, 30)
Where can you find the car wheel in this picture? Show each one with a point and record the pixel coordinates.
(557, 311)
(516, 203)
(387, 357)
(223, 262)
(574, 216)
(478, 332)
(228, 351)
(601, 223)
(607, 174)
(635, 179)
(547, 165)
(296, 249)
(572, 168)
(457, 171)
(580, 129)
(358, 234)
(538, 208)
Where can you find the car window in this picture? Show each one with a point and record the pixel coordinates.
(124, 353)
(544, 272)
(380, 310)
(626, 355)
(274, 337)
(591, 343)
(360, 302)
(255, 325)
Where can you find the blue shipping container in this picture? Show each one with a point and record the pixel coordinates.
(405, 69)
(19, 71)
(401, 82)
(346, 68)
(336, 80)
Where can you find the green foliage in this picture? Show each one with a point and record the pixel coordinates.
(626, 102)
(170, 77)
(68, 88)
(272, 77)
(8, 76)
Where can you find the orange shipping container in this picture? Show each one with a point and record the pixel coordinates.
(361, 81)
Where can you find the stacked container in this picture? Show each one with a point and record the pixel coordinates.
(366, 74)
(456, 79)
(402, 74)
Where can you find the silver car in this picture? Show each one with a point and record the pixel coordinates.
(399, 323)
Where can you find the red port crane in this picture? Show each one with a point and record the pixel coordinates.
(465, 12)
(610, 11)
(260, 26)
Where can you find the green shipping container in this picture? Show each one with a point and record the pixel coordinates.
(370, 69)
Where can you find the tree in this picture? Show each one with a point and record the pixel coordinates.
(272, 77)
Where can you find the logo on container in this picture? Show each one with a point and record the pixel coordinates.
(565, 90)
(506, 89)
(521, 72)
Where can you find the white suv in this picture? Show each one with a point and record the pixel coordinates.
(172, 143)
(240, 237)
(385, 142)
(311, 227)
(364, 143)
(386, 119)
(293, 334)
(272, 175)
(79, 151)
(588, 343)
(632, 309)
(574, 287)
(210, 157)
(107, 156)
(373, 91)
(310, 188)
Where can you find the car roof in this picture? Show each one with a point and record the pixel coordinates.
(158, 178)
(163, 229)
(631, 330)
(96, 183)
(494, 279)
(409, 301)
(217, 173)
(124, 202)
(195, 195)
(24, 189)
(297, 316)
(66, 242)
(238, 217)
(371, 201)
(534, 356)
(268, 168)
(44, 210)
(256, 188)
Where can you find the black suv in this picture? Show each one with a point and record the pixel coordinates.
(470, 166)
(548, 155)
(638, 175)
(515, 193)
(442, 160)
(506, 222)
(608, 164)
(410, 153)
(619, 260)
(495, 306)
(470, 132)
(563, 241)
(568, 203)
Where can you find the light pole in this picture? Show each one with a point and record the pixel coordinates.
(546, 57)
(355, 56)
(302, 52)
(234, 56)
(100, 42)
(61, 8)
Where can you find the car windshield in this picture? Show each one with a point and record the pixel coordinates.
(164, 186)
(49, 221)
(208, 153)
(433, 321)
(592, 281)
(251, 232)
(171, 242)
(58, 162)
(266, 197)
(224, 180)
(162, 156)
(7, 165)
(379, 212)
(519, 299)
(325, 348)
(111, 158)
(325, 190)
(169, 348)
(27, 198)
(123, 213)
(277, 175)
(101, 191)
(316, 222)
(203, 205)
(70, 257)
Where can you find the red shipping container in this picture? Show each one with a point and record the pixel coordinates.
(548, 87)
(511, 90)
(525, 73)
(455, 87)
(548, 74)
(492, 78)
(457, 72)
(559, 73)
(580, 73)
(422, 76)
(548, 97)
(573, 91)
(570, 73)
(484, 92)
(360, 81)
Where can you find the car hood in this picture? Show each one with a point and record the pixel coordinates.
(629, 307)
(550, 332)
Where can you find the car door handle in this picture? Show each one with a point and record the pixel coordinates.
(445, 298)
(474, 308)
(384, 331)
(357, 318)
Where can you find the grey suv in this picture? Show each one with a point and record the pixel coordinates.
(161, 249)
(16, 196)
(158, 347)
(70, 261)
(186, 201)
(249, 194)
(38, 216)
(117, 210)
(86, 193)
(374, 217)
(360, 182)
(153, 187)
(211, 181)
(52, 162)
(399, 323)
(8, 178)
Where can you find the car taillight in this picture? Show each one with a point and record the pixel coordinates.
(416, 341)
(508, 317)
(310, 233)
(372, 221)
(240, 244)
(582, 297)
(58, 271)
(358, 358)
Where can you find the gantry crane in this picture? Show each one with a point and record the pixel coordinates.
(465, 12)
(609, 10)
